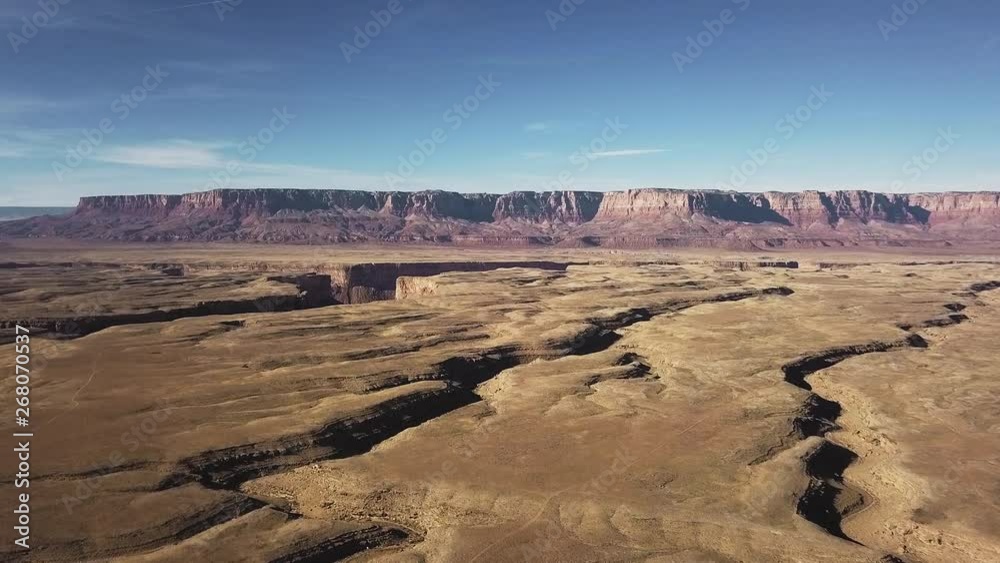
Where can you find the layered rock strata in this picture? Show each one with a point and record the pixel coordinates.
(633, 218)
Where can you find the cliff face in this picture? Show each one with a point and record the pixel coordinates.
(639, 218)
(155, 204)
(571, 208)
(976, 207)
(363, 283)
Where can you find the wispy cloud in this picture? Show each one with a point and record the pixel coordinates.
(627, 152)
(8, 151)
(535, 155)
(43, 188)
(125, 17)
(538, 127)
(35, 143)
(194, 156)
(198, 92)
(185, 6)
(22, 105)
(224, 67)
(176, 153)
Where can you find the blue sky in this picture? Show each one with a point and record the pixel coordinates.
(260, 93)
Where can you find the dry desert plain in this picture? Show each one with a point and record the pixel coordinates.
(308, 404)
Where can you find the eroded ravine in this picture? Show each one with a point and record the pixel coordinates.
(327, 285)
(821, 502)
(458, 377)
(828, 499)
(313, 291)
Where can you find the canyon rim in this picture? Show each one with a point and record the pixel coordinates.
(640, 218)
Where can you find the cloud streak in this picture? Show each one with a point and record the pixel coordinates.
(185, 6)
(204, 159)
(21, 106)
(35, 143)
(225, 67)
(627, 152)
(535, 155)
(175, 154)
(538, 127)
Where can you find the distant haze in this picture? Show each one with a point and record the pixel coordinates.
(12, 213)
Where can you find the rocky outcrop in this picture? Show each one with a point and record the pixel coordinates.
(633, 218)
(958, 207)
(408, 287)
(747, 265)
(682, 204)
(314, 290)
(364, 283)
(153, 204)
(833, 208)
(570, 208)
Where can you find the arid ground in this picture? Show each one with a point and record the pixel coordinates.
(266, 403)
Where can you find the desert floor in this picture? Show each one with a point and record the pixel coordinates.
(623, 406)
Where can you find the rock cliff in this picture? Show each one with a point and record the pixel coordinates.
(633, 218)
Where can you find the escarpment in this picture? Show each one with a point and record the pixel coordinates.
(289, 293)
(364, 283)
(634, 218)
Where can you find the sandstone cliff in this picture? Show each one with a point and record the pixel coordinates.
(633, 218)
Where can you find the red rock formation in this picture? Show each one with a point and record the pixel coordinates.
(570, 208)
(962, 207)
(157, 204)
(633, 218)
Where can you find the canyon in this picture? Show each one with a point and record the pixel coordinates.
(292, 403)
(635, 219)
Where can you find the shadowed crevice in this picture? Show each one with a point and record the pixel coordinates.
(821, 502)
(827, 499)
